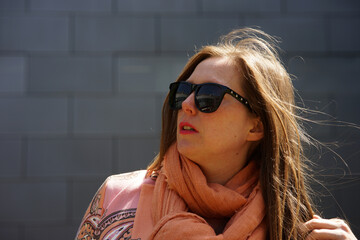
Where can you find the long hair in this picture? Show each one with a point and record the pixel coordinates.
(269, 89)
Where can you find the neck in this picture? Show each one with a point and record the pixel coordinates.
(220, 177)
(222, 171)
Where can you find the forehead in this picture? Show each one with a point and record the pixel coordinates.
(221, 70)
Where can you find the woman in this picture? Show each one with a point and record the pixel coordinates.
(230, 165)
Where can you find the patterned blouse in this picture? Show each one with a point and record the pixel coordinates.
(111, 213)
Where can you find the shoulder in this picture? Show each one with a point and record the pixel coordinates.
(114, 205)
(122, 191)
(125, 183)
(135, 178)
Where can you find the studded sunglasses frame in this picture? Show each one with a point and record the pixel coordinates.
(176, 104)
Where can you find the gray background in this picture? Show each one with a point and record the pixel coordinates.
(82, 84)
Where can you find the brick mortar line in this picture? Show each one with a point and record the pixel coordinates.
(164, 53)
(115, 155)
(24, 158)
(196, 13)
(27, 72)
(157, 34)
(21, 228)
(327, 31)
(80, 136)
(115, 88)
(69, 200)
(283, 6)
(27, 6)
(199, 7)
(114, 6)
(71, 33)
(70, 114)
(51, 179)
(79, 95)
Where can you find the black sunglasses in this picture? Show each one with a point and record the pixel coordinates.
(208, 96)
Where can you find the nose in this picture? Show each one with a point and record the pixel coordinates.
(188, 105)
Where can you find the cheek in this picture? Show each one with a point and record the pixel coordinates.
(238, 125)
(229, 129)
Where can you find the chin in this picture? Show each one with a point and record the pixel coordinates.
(186, 149)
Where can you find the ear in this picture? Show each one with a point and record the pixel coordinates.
(256, 133)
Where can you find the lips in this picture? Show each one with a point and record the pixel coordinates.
(187, 128)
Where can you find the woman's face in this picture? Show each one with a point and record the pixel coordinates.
(221, 140)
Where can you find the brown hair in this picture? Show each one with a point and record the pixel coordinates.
(269, 89)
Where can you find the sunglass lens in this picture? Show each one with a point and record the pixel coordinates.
(178, 93)
(208, 98)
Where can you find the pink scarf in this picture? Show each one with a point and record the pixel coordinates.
(183, 198)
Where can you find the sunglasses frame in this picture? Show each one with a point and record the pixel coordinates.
(196, 88)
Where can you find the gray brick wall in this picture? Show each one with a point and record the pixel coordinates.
(31, 32)
(27, 197)
(82, 85)
(243, 7)
(69, 157)
(73, 6)
(33, 115)
(114, 33)
(70, 74)
(12, 74)
(132, 114)
(10, 155)
(179, 34)
(297, 33)
(156, 6)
